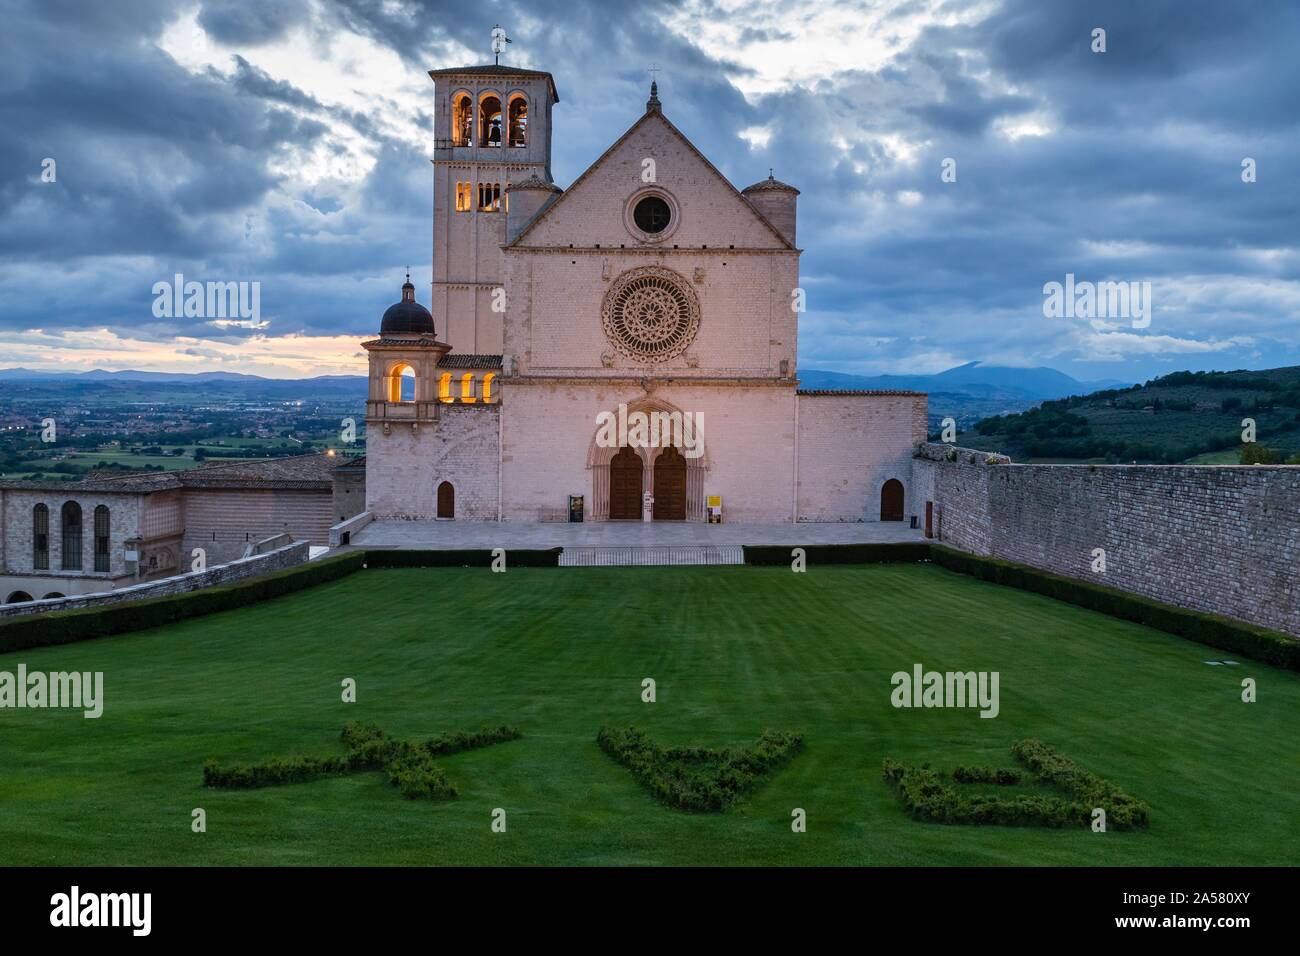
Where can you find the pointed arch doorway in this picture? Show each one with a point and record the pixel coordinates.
(670, 486)
(625, 473)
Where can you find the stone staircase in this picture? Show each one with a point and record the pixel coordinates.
(646, 556)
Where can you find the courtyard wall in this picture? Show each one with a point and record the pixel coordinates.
(1220, 539)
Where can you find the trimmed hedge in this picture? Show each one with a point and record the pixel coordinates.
(65, 627)
(408, 764)
(515, 558)
(1239, 637)
(697, 778)
(771, 554)
(927, 795)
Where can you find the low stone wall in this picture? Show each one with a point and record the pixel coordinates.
(346, 529)
(1220, 539)
(286, 556)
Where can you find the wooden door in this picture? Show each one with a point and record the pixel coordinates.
(670, 486)
(625, 470)
(891, 500)
(446, 500)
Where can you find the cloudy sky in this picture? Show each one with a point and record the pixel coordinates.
(288, 142)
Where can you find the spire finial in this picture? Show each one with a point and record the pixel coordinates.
(769, 173)
(652, 104)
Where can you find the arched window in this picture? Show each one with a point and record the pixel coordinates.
(489, 121)
(487, 385)
(17, 597)
(53, 594)
(71, 528)
(446, 500)
(101, 538)
(398, 378)
(444, 388)
(467, 388)
(518, 121)
(41, 537)
(462, 120)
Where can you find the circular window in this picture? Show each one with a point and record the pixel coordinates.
(652, 214)
(650, 314)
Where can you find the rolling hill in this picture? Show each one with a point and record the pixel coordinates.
(1193, 417)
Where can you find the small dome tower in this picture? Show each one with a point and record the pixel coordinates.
(777, 202)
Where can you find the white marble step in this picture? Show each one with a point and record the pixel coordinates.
(641, 557)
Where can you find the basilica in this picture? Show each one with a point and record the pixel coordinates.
(649, 285)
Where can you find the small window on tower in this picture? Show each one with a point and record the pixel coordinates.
(489, 197)
(518, 122)
(463, 197)
(462, 122)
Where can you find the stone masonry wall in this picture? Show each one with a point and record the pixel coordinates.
(1221, 539)
(285, 557)
(849, 446)
(405, 466)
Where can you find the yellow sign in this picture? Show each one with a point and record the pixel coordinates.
(715, 501)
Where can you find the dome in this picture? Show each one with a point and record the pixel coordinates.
(407, 317)
(771, 184)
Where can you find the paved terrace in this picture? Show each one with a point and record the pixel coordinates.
(450, 535)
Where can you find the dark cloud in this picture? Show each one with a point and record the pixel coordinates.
(1118, 165)
(251, 22)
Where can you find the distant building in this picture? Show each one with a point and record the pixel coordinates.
(109, 529)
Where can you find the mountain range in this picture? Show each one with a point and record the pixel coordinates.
(973, 379)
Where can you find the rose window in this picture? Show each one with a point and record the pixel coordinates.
(651, 314)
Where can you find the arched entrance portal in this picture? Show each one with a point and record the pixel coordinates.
(891, 500)
(670, 486)
(446, 500)
(625, 471)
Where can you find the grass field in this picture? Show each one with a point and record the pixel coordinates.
(561, 652)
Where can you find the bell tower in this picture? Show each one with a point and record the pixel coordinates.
(492, 127)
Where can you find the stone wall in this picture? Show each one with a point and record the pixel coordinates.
(16, 509)
(1221, 539)
(281, 558)
(405, 465)
(548, 446)
(849, 446)
(226, 521)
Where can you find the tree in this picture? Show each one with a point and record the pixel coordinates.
(1253, 453)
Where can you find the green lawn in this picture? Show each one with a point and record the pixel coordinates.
(560, 652)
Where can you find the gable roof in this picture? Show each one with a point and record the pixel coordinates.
(546, 210)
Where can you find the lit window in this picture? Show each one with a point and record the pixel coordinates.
(444, 388)
(462, 121)
(487, 386)
(518, 122)
(467, 388)
(489, 197)
(489, 114)
(463, 193)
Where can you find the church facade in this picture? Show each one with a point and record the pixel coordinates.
(650, 285)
